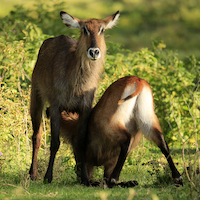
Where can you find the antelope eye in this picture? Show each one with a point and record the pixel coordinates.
(102, 30)
(86, 32)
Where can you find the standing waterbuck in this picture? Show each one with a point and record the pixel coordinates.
(66, 76)
(116, 124)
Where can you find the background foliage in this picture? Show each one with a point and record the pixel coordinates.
(174, 79)
(174, 21)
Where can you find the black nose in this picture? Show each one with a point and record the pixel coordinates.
(94, 53)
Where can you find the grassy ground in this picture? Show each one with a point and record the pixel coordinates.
(55, 191)
(146, 164)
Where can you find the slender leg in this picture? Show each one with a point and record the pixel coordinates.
(55, 141)
(84, 116)
(158, 138)
(36, 115)
(36, 145)
(82, 145)
(122, 157)
(78, 164)
(109, 167)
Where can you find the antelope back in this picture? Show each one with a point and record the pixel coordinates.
(126, 104)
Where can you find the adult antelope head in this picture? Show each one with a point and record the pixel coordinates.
(91, 40)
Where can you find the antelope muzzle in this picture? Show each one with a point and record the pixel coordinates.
(94, 53)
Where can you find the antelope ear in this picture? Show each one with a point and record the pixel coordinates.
(111, 20)
(69, 21)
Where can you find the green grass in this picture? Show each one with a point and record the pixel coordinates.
(55, 191)
(146, 164)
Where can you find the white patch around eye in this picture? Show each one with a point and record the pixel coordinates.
(69, 21)
(86, 29)
(101, 30)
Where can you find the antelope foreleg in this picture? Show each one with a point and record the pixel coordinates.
(82, 146)
(55, 142)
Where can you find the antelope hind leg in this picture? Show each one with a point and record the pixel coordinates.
(158, 138)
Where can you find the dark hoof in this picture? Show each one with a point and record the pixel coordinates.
(33, 178)
(111, 183)
(85, 182)
(128, 184)
(178, 181)
(95, 183)
(47, 179)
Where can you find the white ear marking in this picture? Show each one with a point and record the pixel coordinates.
(69, 21)
(113, 22)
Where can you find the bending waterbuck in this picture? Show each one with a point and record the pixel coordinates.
(66, 76)
(116, 124)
